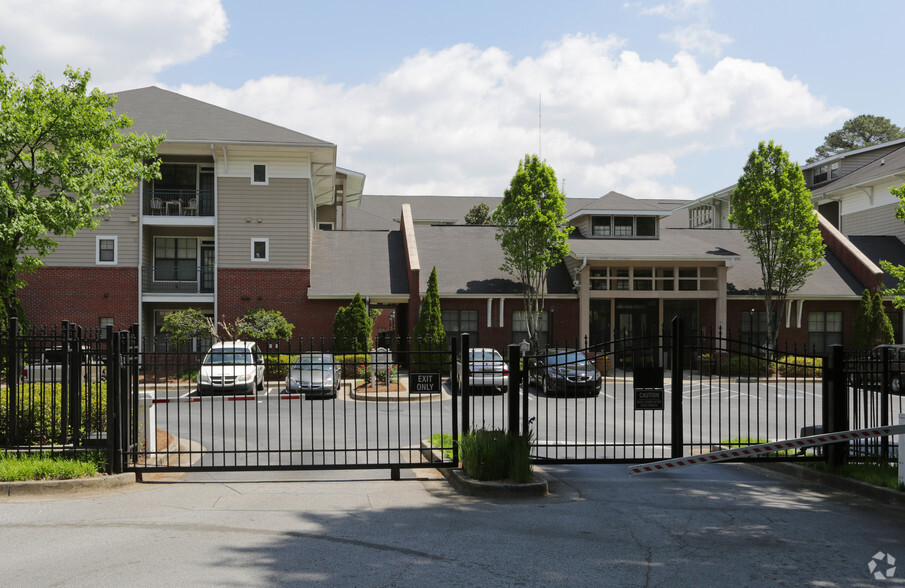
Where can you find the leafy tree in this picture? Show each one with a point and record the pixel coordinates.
(881, 327)
(896, 271)
(65, 162)
(184, 325)
(772, 207)
(429, 333)
(861, 327)
(862, 131)
(353, 327)
(263, 324)
(478, 215)
(533, 233)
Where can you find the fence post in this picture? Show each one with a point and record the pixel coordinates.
(463, 385)
(835, 405)
(454, 377)
(884, 405)
(13, 374)
(677, 431)
(514, 384)
(115, 422)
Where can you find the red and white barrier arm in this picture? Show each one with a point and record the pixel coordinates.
(752, 450)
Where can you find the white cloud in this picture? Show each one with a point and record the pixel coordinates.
(697, 38)
(457, 121)
(123, 48)
(678, 9)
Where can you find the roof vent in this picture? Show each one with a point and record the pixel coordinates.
(883, 161)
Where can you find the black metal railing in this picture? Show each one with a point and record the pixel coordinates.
(177, 279)
(179, 202)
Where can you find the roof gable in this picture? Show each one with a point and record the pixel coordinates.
(616, 203)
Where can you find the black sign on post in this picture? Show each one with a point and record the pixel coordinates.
(425, 383)
(648, 385)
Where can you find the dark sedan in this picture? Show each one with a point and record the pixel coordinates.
(566, 371)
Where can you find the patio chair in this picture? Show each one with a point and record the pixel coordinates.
(157, 206)
(191, 208)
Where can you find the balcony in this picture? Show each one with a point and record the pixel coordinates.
(177, 279)
(170, 202)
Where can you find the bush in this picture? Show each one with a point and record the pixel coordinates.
(745, 366)
(39, 414)
(276, 365)
(351, 362)
(363, 372)
(797, 366)
(496, 455)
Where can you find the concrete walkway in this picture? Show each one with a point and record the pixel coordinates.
(713, 525)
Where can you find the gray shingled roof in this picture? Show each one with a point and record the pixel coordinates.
(155, 111)
(616, 202)
(890, 164)
(371, 263)
(882, 248)
(468, 260)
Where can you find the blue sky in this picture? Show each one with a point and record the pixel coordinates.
(654, 99)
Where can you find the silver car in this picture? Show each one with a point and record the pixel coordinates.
(487, 370)
(314, 374)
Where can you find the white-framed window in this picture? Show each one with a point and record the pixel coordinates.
(325, 226)
(520, 327)
(623, 226)
(259, 174)
(824, 329)
(106, 250)
(260, 249)
(104, 322)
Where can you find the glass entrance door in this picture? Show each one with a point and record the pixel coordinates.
(207, 267)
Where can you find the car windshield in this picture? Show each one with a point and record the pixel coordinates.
(317, 362)
(565, 358)
(227, 357)
(484, 355)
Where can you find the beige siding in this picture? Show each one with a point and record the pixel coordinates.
(81, 249)
(874, 221)
(281, 163)
(282, 206)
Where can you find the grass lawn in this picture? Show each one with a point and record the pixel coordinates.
(46, 466)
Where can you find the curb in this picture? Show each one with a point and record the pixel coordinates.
(52, 487)
(805, 474)
(465, 484)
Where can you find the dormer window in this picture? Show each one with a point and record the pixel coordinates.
(623, 226)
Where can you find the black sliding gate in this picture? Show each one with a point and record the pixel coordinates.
(633, 399)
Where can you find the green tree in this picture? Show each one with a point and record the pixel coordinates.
(184, 325)
(65, 162)
(429, 334)
(896, 271)
(861, 327)
(881, 327)
(533, 233)
(772, 207)
(862, 131)
(261, 324)
(478, 215)
(353, 327)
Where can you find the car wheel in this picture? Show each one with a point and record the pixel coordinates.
(896, 384)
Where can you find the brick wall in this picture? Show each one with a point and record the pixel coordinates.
(81, 295)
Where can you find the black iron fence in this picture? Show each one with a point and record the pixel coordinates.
(304, 404)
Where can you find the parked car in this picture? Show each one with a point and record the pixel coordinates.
(487, 370)
(49, 369)
(314, 374)
(232, 366)
(869, 373)
(566, 371)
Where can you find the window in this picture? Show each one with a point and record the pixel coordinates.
(599, 279)
(259, 173)
(821, 174)
(456, 322)
(666, 279)
(175, 259)
(601, 226)
(622, 226)
(520, 327)
(104, 322)
(106, 251)
(643, 279)
(646, 226)
(690, 281)
(621, 282)
(754, 327)
(325, 226)
(260, 249)
(824, 329)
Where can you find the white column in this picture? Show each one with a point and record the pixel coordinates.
(147, 421)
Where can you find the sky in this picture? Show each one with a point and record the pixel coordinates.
(652, 99)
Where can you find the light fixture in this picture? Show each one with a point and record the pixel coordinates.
(260, 220)
(248, 219)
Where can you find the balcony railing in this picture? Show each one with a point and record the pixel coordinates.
(179, 202)
(177, 279)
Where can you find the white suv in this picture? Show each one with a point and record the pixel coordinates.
(232, 365)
